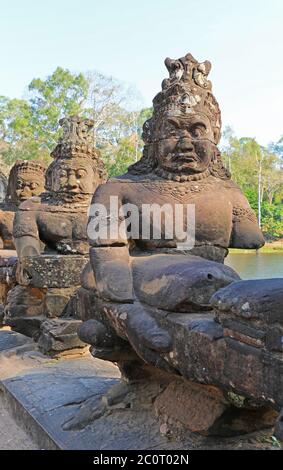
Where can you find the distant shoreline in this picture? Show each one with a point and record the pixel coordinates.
(269, 247)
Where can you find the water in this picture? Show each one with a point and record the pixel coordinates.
(256, 265)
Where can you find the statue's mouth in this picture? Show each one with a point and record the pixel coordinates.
(23, 197)
(71, 190)
(185, 157)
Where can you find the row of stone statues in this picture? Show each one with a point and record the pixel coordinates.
(163, 310)
(49, 234)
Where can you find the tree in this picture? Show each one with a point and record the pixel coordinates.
(258, 172)
(277, 149)
(29, 128)
(60, 94)
(126, 148)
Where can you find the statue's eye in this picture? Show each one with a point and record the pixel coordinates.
(19, 184)
(198, 130)
(33, 185)
(81, 173)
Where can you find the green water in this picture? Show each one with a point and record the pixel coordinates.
(256, 265)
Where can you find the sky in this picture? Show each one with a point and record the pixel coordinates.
(129, 39)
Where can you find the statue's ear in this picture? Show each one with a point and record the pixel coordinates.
(216, 134)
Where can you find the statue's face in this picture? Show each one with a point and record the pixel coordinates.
(28, 185)
(186, 145)
(73, 177)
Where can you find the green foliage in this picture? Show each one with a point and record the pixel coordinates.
(60, 94)
(272, 220)
(251, 194)
(258, 171)
(29, 128)
(118, 158)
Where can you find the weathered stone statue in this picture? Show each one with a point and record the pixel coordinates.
(50, 237)
(26, 179)
(3, 186)
(152, 295)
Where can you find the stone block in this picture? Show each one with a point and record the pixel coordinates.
(192, 406)
(51, 271)
(24, 301)
(56, 301)
(57, 336)
(258, 301)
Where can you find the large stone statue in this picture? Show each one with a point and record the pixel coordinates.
(50, 235)
(152, 286)
(26, 179)
(181, 166)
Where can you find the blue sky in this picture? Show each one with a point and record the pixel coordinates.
(130, 40)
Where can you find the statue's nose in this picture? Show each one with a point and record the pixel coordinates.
(72, 181)
(24, 192)
(185, 144)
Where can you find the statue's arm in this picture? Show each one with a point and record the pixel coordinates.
(109, 252)
(245, 230)
(25, 233)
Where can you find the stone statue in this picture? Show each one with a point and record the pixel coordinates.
(180, 165)
(55, 221)
(51, 240)
(26, 179)
(3, 186)
(152, 291)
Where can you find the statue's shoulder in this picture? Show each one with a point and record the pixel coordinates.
(121, 181)
(130, 177)
(230, 185)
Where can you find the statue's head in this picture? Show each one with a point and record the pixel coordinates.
(185, 145)
(76, 170)
(26, 179)
(181, 137)
(73, 176)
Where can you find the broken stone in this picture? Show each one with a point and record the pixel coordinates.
(59, 335)
(195, 407)
(56, 301)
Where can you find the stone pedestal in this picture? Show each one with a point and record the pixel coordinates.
(8, 261)
(37, 306)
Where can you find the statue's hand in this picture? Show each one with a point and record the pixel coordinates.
(27, 246)
(112, 272)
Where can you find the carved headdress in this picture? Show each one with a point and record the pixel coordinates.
(75, 143)
(76, 140)
(187, 91)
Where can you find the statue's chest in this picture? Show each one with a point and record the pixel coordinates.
(173, 191)
(59, 226)
(182, 206)
(207, 205)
